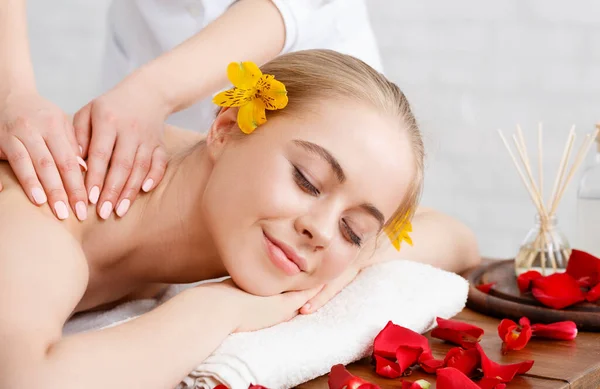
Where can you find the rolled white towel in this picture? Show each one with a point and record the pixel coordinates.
(408, 293)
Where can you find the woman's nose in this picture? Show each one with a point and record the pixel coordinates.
(317, 229)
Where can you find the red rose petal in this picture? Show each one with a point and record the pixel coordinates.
(387, 341)
(503, 327)
(457, 332)
(451, 378)
(256, 387)
(340, 378)
(491, 383)
(407, 356)
(221, 386)
(562, 330)
(524, 280)
(557, 291)
(582, 264)
(386, 368)
(429, 363)
(593, 294)
(516, 338)
(505, 373)
(524, 321)
(485, 288)
(467, 361)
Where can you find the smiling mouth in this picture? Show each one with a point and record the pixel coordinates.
(279, 258)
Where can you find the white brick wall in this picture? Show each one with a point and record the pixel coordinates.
(468, 67)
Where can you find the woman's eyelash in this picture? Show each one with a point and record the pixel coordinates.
(354, 239)
(304, 183)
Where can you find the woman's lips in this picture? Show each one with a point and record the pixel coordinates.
(279, 258)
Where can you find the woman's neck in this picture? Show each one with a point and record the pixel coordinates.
(163, 237)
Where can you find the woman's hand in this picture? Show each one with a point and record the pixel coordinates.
(257, 312)
(121, 133)
(37, 139)
(332, 288)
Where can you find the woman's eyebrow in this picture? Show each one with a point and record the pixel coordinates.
(339, 173)
(324, 154)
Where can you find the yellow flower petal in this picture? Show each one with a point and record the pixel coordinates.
(243, 75)
(234, 97)
(251, 116)
(272, 92)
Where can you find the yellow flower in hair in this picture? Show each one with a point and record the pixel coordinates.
(398, 232)
(253, 92)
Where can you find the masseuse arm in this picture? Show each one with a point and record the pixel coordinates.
(131, 115)
(36, 137)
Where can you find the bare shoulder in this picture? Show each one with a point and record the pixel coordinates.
(43, 270)
(177, 139)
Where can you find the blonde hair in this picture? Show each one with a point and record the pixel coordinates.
(312, 75)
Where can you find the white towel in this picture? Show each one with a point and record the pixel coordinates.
(408, 293)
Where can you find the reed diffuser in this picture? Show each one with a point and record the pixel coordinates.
(545, 248)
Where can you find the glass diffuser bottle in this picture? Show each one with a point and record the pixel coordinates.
(545, 249)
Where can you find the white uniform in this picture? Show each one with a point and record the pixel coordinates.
(141, 30)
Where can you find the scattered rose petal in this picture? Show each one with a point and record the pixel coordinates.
(585, 282)
(429, 363)
(562, 330)
(257, 387)
(386, 368)
(420, 384)
(221, 386)
(505, 373)
(451, 378)
(340, 378)
(387, 341)
(557, 291)
(407, 356)
(524, 280)
(467, 361)
(491, 383)
(457, 332)
(593, 294)
(582, 264)
(485, 288)
(514, 336)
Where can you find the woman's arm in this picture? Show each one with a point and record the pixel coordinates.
(43, 275)
(438, 239)
(250, 30)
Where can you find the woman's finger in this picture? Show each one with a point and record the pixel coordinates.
(141, 166)
(121, 165)
(328, 292)
(99, 155)
(69, 167)
(157, 170)
(48, 174)
(20, 161)
(82, 123)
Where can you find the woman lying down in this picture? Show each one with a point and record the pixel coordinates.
(291, 211)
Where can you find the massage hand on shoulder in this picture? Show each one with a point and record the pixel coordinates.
(120, 133)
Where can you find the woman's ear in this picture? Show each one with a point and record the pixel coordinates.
(221, 131)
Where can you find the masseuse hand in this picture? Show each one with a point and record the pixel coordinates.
(121, 134)
(37, 139)
(256, 312)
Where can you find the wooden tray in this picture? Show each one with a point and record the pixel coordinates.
(506, 301)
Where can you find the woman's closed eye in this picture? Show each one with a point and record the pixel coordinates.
(308, 187)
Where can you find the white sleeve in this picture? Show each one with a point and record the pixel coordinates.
(341, 25)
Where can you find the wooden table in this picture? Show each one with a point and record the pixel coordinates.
(558, 364)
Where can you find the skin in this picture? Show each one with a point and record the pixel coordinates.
(206, 220)
(121, 133)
